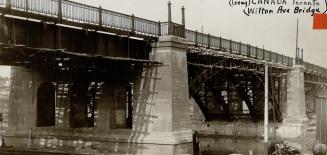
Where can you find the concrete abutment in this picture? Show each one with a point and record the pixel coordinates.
(294, 112)
(163, 110)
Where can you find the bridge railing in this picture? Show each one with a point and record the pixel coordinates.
(81, 13)
(45, 7)
(315, 68)
(235, 47)
(170, 28)
(206, 40)
(214, 42)
(244, 49)
(77, 12)
(190, 36)
(73, 11)
(202, 40)
(273, 57)
(253, 51)
(144, 26)
(225, 44)
(116, 20)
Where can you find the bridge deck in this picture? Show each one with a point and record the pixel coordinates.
(76, 14)
(17, 55)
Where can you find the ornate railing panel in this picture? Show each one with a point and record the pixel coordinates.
(79, 12)
(116, 20)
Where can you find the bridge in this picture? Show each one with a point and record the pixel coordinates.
(84, 72)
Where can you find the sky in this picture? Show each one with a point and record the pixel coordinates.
(276, 32)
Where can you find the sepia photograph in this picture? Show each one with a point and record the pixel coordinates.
(160, 77)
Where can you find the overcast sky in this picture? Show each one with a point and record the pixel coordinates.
(276, 32)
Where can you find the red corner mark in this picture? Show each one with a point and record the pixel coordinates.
(319, 21)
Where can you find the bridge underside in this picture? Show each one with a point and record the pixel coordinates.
(62, 92)
(81, 69)
(44, 34)
(70, 79)
(228, 88)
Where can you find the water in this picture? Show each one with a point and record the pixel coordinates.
(208, 146)
(18, 146)
(226, 146)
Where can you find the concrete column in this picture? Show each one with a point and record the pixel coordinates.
(22, 102)
(105, 107)
(111, 108)
(119, 105)
(162, 108)
(294, 112)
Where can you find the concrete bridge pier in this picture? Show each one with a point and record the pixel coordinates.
(162, 112)
(294, 112)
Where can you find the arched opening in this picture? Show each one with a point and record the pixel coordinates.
(46, 103)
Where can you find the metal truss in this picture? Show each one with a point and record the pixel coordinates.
(232, 88)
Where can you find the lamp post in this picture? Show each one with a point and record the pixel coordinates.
(183, 15)
(183, 22)
(169, 18)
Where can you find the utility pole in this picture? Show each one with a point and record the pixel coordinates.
(296, 42)
(266, 110)
(201, 34)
